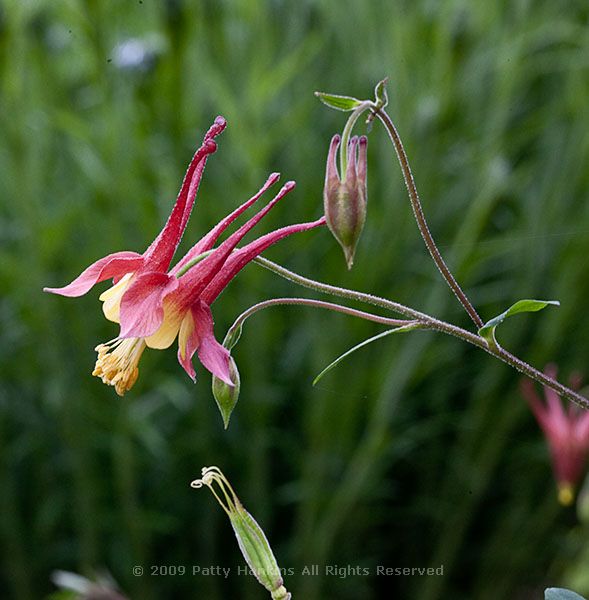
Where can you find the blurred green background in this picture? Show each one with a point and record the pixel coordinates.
(419, 450)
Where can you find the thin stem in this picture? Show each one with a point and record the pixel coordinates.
(316, 304)
(343, 155)
(341, 292)
(429, 322)
(420, 217)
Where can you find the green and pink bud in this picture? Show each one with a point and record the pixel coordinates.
(344, 197)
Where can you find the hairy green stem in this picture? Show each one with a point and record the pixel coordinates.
(431, 323)
(315, 304)
(420, 216)
(343, 154)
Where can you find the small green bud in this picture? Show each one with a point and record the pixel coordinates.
(344, 198)
(251, 538)
(380, 93)
(226, 395)
(232, 336)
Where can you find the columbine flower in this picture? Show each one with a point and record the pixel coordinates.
(566, 431)
(154, 306)
(344, 198)
(158, 307)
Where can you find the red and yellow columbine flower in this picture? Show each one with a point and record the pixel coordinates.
(566, 431)
(154, 306)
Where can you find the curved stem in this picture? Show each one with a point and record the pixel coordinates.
(430, 323)
(420, 217)
(341, 292)
(343, 156)
(315, 304)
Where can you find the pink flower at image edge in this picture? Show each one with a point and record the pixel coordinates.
(566, 430)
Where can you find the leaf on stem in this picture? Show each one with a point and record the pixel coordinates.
(361, 345)
(487, 331)
(344, 103)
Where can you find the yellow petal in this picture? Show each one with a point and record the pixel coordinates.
(111, 298)
(168, 330)
(186, 329)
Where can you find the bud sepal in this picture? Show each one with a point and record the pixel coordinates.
(227, 395)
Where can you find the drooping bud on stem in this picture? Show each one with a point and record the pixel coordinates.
(251, 539)
(227, 395)
(344, 197)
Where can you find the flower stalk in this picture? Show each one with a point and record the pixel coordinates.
(432, 323)
(424, 230)
(234, 331)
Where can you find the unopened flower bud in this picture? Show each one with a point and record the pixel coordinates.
(227, 395)
(344, 198)
(251, 539)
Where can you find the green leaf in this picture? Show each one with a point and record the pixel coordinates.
(380, 93)
(488, 329)
(344, 103)
(361, 345)
(561, 594)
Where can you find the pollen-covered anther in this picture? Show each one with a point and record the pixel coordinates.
(117, 362)
(566, 494)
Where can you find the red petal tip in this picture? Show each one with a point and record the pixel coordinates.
(216, 128)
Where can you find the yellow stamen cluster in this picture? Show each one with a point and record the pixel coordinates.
(117, 363)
